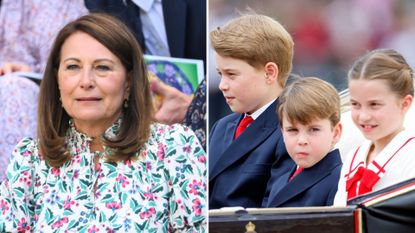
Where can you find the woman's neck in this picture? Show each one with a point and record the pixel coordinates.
(97, 145)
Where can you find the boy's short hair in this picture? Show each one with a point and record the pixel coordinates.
(307, 99)
(257, 40)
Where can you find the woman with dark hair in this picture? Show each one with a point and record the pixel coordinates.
(101, 163)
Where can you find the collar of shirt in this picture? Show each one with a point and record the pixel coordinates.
(145, 5)
(262, 109)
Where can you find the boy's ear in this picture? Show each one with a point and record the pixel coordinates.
(271, 72)
(337, 133)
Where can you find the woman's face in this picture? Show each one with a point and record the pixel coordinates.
(92, 83)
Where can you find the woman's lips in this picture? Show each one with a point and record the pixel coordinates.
(88, 99)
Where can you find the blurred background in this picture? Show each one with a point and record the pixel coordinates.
(328, 34)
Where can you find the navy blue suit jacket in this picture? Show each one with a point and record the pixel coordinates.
(185, 22)
(239, 169)
(314, 186)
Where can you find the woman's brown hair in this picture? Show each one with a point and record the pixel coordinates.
(53, 120)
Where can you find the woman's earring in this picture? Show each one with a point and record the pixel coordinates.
(126, 103)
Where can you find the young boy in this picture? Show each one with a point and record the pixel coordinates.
(309, 113)
(254, 58)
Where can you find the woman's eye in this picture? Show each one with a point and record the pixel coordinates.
(72, 67)
(102, 68)
(315, 129)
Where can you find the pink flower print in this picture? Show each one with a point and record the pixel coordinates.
(97, 167)
(77, 158)
(22, 226)
(161, 151)
(60, 222)
(179, 201)
(161, 130)
(197, 207)
(148, 166)
(128, 162)
(187, 149)
(97, 194)
(26, 153)
(26, 178)
(4, 206)
(113, 206)
(76, 174)
(195, 187)
(122, 179)
(93, 229)
(68, 202)
(109, 230)
(202, 159)
(147, 213)
(144, 154)
(56, 171)
(46, 189)
(149, 195)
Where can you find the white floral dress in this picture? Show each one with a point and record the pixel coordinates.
(163, 190)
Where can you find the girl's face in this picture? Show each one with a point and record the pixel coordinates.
(376, 110)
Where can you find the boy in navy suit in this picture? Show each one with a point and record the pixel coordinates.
(309, 113)
(254, 58)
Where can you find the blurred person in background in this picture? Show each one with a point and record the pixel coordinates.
(27, 31)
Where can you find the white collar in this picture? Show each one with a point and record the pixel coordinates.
(262, 109)
(145, 5)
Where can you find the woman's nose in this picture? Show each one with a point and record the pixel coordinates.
(87, 78)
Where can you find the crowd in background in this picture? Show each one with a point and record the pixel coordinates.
(328, 35)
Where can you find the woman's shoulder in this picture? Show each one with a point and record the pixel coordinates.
(26, 147)
(170, 131)
(175, 139)
(25, 157)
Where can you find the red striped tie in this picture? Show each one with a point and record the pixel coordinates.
(242, 125)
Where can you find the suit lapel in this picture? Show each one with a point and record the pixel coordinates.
(306, 179)
(227, 140)
(254, 135)
(175, 13)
